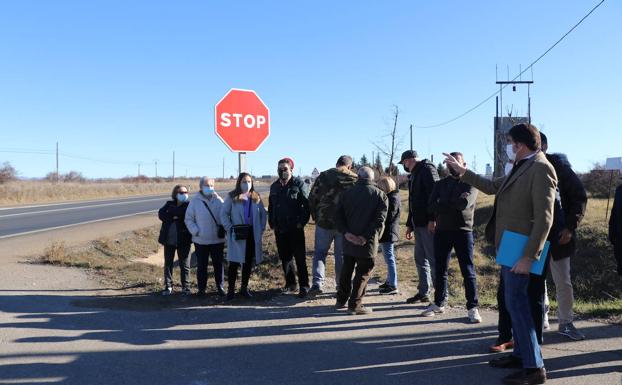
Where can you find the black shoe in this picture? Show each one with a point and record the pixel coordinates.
(526, 377)
(506, 362)
(303, 292)
(289, 289)
(383, 286)
(230, 295)
(200, 293)
(388, 290)
(244, 292)
(221, 292)
(340, 305)
(316, 289)
(418, 298)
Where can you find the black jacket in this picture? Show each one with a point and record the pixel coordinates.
(288, 207)
(392, 223)
(420, 185)
(362, 210)
(452, 204)
(571, 208)
(171, 214)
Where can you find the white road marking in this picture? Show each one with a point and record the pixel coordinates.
(75, 224)
(128, 199)
(77, 208)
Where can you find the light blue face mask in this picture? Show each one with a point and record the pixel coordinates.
(207, 190)
(182, 197)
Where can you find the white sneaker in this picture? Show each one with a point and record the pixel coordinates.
(545, 324)
(474, 316)
(432, 310)
(167, 291)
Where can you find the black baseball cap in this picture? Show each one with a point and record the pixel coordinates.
(408, 154)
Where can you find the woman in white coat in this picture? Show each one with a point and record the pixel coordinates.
(244, 217)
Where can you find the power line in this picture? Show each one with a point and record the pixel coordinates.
(517, 76)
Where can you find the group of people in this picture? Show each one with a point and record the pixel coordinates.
(540, 198)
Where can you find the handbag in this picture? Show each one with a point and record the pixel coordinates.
(221, 229)
(241, 232)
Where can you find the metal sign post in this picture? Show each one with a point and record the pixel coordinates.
(242, 161)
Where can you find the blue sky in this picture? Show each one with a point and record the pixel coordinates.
(121, 82)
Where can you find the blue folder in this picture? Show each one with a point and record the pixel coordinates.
(512, 247)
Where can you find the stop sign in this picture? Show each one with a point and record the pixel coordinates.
(242, 120)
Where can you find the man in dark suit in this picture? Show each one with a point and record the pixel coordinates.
(615, 227)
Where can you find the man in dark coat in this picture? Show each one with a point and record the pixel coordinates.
(452, 204)
(360, 217)
(615, 227)
(423, 175)
(573, 201)
(288, 213)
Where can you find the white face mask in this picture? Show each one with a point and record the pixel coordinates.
(510, 152)
(246, 186)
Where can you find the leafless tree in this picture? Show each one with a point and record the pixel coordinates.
(389, 142)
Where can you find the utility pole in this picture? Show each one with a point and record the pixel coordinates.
(156, 168)
(138, 168)
(57, 174)
(173, 165)
(411, 137)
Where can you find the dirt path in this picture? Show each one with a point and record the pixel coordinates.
(59, 326)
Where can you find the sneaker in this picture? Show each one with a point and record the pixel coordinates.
(340, 305)
(383, 285)
(186, 291)
(167, 291)
(303, 292)
(230, 295)
(245, 293)
(418, 298)
(289, 290)
(570, 331)
(545, 323)
(432, 310)
(316, 289)
(361, 310)
(221, 292)
(474, 316)
(388, 290)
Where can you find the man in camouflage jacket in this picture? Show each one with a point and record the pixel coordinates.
(323, 204)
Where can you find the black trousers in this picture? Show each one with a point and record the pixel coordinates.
(184, 264)
(249, 258)
(354, 288)
(203, 252)
(535, 292)
(291, 246)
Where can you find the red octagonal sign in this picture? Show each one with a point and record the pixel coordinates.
(242, 120)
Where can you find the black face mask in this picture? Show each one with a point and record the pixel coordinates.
(284, 175)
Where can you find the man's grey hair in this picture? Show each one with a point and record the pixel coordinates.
(203, 181)
(366, 173)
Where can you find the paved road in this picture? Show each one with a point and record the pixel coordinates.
(17, 221)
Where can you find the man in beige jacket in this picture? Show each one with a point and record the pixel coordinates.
(523, 204)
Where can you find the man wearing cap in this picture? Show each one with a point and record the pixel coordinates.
(288, 213)
(423, 176)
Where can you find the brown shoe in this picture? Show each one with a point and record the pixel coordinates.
(526, 377)
(500, 346)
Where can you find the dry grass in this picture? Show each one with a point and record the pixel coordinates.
(24, 192)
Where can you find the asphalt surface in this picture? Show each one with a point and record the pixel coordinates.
(23, 220)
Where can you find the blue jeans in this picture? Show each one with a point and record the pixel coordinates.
(389, 258)
(323, 239)
(462, 242)
(517, 302)
(424, 259)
